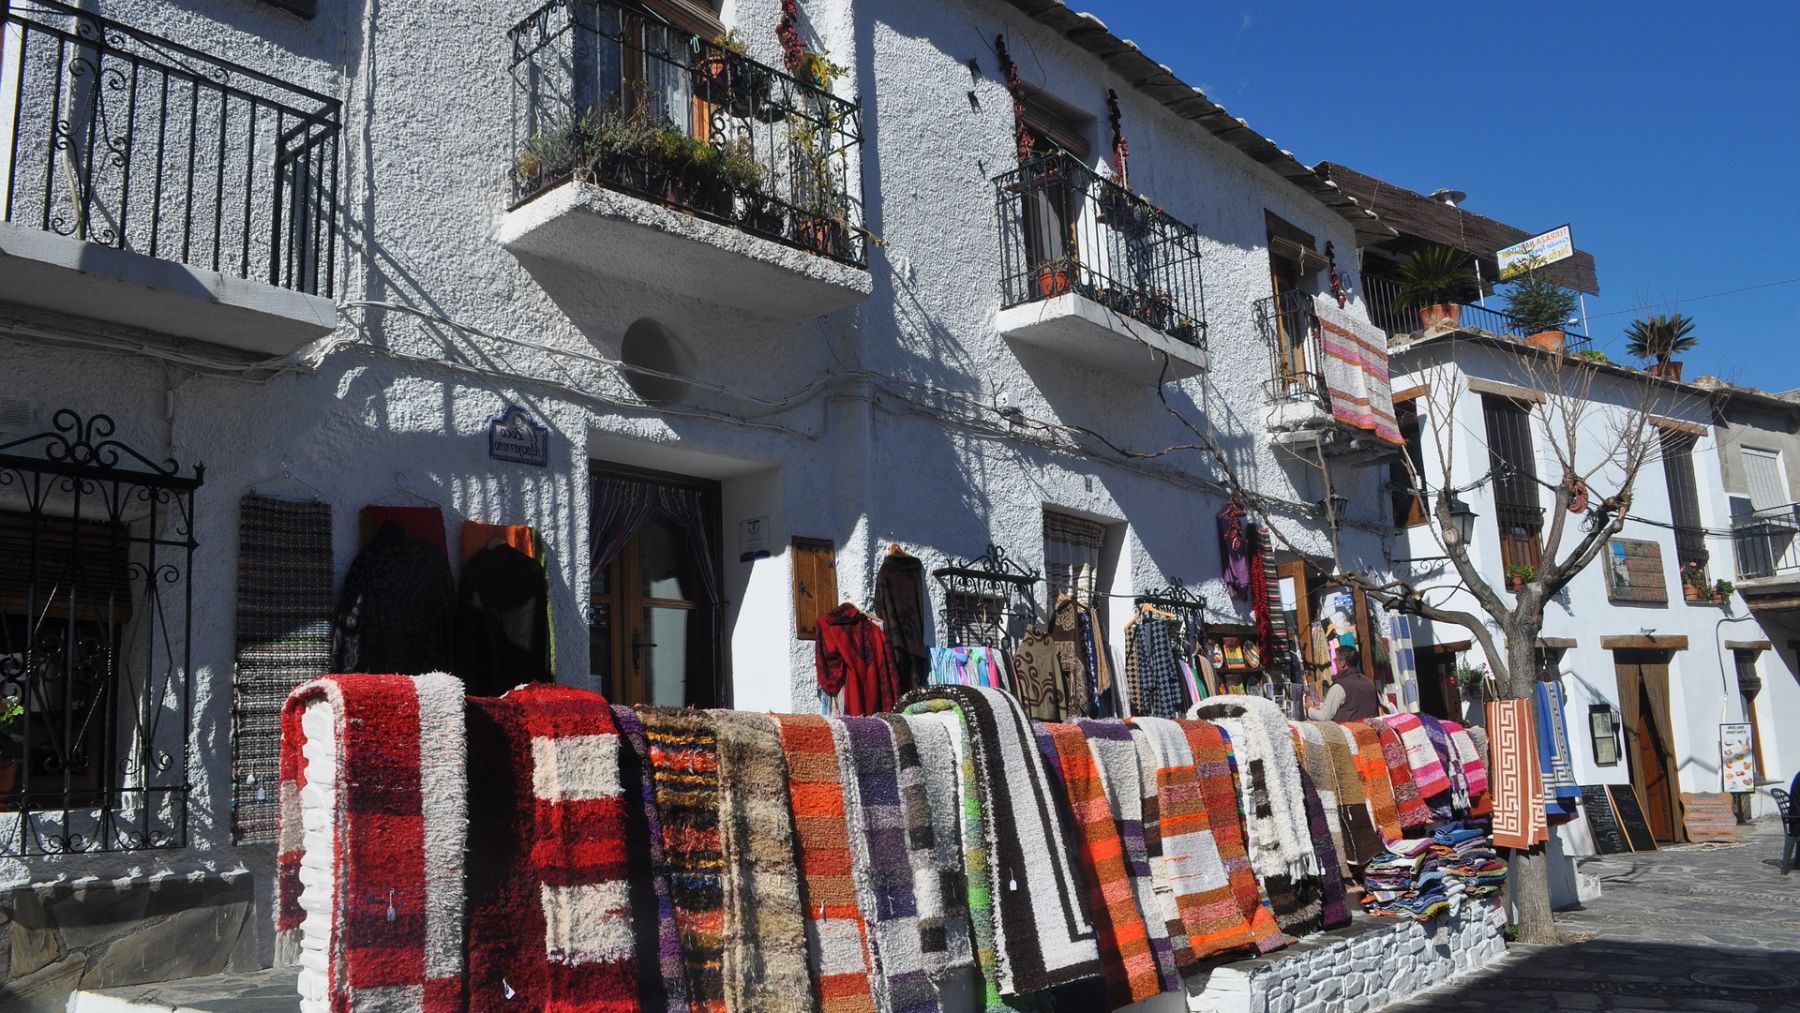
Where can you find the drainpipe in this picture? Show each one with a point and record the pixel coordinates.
(1724, 701)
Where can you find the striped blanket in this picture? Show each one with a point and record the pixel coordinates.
(653, 907)
(370, 842)
(1409, 806)
(1121, 930)
(684, 765)
(928, 800)
(1371, 767)
(1219, 793)
(1356, 370)
(1041, 923)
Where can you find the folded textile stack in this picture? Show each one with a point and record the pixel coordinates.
(1468, 859)
(1405, 882)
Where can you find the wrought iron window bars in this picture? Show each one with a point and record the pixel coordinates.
(983, 597)
(96, 605)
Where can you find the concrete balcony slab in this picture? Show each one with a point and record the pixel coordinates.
(1081, 329)
(620, 237)
(82, 279)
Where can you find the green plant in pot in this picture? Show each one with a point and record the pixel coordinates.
(1658, 337)
(1538, 306)
(725, 75)
(822, 222)
(1436, 280)
(1520, 574)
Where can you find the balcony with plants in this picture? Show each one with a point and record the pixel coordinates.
(647, 154)
(1097, 273)
(1436, 288)
(153, 184)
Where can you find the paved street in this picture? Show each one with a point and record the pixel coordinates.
(1699, 928)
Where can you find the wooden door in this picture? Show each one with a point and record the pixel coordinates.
(1650, 774)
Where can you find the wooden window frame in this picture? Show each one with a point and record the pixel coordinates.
(1407, 499)
(1518, 509)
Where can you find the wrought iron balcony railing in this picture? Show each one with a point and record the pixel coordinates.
(1767, 542)
(613, 94)
(114, 136)
(1390, 313)
(1290, 329)
(1066, 229)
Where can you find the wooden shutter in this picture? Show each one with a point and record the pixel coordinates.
(815, 584)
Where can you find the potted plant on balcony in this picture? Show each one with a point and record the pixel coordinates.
(1658, 337)
(725, 75)
(1723, 590)
(822, 209)
(1694, 586)
(1436, 280)
(1538, 306)
(1520, 574)
(12, 743)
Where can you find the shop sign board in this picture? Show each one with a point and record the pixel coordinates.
(514, 436)
(1735, 752)
(1544, 248)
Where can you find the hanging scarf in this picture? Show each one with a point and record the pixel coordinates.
(1234, 550)
(1121, 928)
(379, 763)
(765, 959)
(1041, 922)
(865, 747)
(928, 803)
(684, 764)
(836, 936)
(1215, 766)
(653, 913)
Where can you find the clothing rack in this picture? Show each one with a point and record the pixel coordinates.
(982, 597)
(1179, 598)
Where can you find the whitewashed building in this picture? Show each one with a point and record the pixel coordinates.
(342, 254)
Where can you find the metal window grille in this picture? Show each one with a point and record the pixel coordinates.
(1516, 506)
(1684, 496)
(96, 599)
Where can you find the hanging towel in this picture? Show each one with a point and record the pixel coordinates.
(1115, 756)
(1403, 661)
(1356, 370)
(836, 936)
(866, 751)
(765, 938)
(370, 843)
(1121, 930)
(653, 908)
(1041, 921)
(1280, 843)
(1189, 873)
(1213, 763)
(928, 802)
(1562, 796)
(684, 763)
(1516, 779)
(1409, 806)
(1372, 768)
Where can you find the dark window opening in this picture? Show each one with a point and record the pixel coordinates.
(1518, 514)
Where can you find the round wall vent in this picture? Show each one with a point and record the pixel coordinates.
(651, 346)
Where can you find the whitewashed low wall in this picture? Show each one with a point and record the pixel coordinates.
(1374, 962)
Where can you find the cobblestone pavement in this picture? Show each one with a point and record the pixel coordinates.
(1698, 928)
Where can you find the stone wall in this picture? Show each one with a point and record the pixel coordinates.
(97, 933)
(1372, 963)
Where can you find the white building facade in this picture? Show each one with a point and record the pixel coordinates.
(320, 252)
(1649, 673)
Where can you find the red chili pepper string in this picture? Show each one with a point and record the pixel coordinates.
(1021, 132)
(793, 51)
(1119, 147)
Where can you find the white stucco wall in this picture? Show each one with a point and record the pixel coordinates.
(1702, 679)
(869, 425)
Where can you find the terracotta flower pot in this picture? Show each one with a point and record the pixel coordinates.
(1690, 592)
(1550, 340)
(1052, 281)
(1447, 314)
(1670, 370)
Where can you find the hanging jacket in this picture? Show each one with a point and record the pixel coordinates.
(853, 658)
(393, 615)
(502, 624)
(900, 600)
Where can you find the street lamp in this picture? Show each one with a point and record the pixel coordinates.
(1334, 506)
(1462, 518)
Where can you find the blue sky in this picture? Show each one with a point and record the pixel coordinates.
(1666, 133)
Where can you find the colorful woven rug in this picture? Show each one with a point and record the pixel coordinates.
(370, 853)
(1372, 767)
(1114, 749)
(928, 804)
(1408, 802)
(1515, 779)
(652, 906)
(684, 764)
(284, 607)
(1220, 793)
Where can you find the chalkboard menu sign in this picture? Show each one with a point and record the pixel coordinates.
(1631, 817)
(1603, 823)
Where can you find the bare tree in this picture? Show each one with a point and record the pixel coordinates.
(1591, 499)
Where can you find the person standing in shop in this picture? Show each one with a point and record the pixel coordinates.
(1352, 696)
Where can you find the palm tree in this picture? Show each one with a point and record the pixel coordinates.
(1660, 336)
